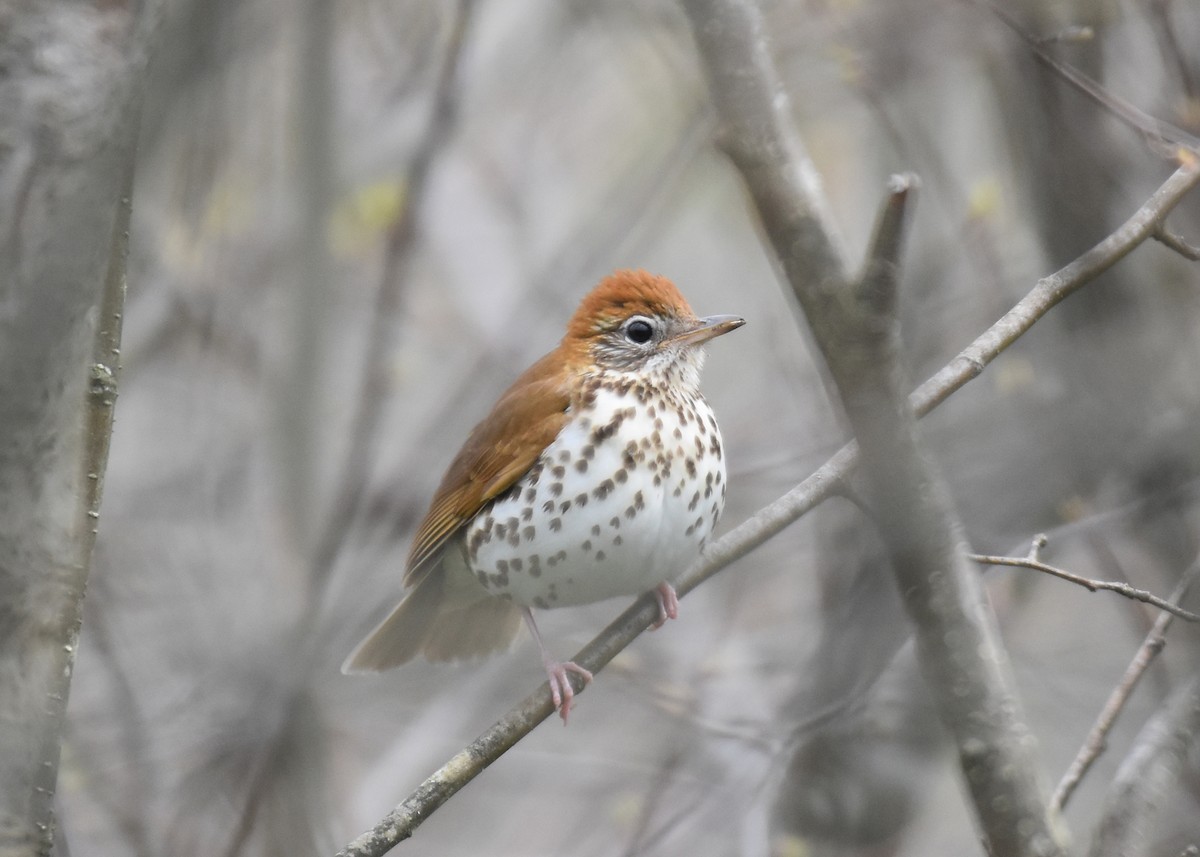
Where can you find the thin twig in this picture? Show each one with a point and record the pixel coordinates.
(1154, 129)
(1180, 245)
(1164, 604)
(823, 483)
(1097, 738)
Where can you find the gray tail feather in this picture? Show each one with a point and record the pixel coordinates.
(443, 630)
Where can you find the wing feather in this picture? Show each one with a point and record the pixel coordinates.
(498, 452)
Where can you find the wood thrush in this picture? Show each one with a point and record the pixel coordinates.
(598, 473)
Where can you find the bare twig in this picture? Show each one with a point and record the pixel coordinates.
(1156, 130)
(1149, 774)
(1167, 605)
(1181, 246)
(823, 483)
(1097, 738)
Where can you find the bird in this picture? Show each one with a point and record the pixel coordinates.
(599, 473)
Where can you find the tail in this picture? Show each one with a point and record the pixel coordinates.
(427, 623)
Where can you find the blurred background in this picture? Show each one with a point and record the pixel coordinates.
(356, 223)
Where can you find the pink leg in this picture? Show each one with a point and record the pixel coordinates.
(560, 684)
(668, 605)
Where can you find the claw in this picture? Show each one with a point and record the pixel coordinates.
(560, 684)
(668, 605)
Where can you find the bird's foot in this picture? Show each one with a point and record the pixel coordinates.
(668, 605)
(560, 685)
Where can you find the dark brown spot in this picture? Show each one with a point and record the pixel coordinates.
(581, 500)
(555, 524)
(699, 445)
(694, 502)
(517, 564)
(690, 464)
(535, 566)
(621, 475)
(527, 513)
(502, 566)
(617, 540)
(529, 533)
(603, 489)
(604, 432)
(564, 455)
(587, 545)
(652, 412)
(540, 602)
(657, 480)
(564, 506)
(639, 501)
(482, 577)
(595, 529)
(658, 424)
(555, 489)
(599, 556)
(581, 465)
(678, 433)
(588, 451)
(615, 522)
(559, 471)
(548, 506)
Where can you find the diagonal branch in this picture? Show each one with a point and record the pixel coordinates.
(1148, 776)
(1097, 738)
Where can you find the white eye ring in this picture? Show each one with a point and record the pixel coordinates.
(639, 330)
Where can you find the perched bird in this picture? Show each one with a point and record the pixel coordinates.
(598, 473)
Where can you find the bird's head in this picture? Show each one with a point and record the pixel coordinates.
(638, 323)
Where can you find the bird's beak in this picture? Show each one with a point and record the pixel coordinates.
(709, 328)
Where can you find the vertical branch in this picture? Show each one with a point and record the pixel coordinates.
(856, 327)
(70, 96)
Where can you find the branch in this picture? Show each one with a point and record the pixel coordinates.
(1170, 605)
(72, 90)
(1168, 238)
(1148, 776)
(1097, 738)
(857, 329)
(776, 516)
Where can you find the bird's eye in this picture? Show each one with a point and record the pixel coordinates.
(639, 331)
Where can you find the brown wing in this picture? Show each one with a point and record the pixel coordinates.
(498, 452)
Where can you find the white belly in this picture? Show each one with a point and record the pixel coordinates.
(620, 502)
